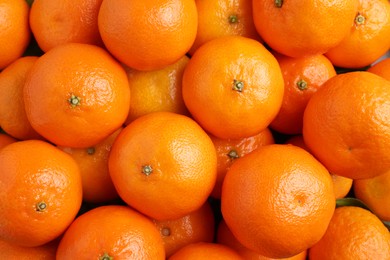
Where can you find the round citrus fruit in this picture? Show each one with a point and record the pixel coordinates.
(40, 192)
(302, 78)
(14, 30)
(156, 90)
(369, 36)
(13, 118)
(111, 232)
(303, 27)
(76, 95)
(353, 233)
(233, 87)
(285, 199)
(58, 22)
(346, 125)
(219, 18)
(164, 165)
(93, 164)
(149, 34)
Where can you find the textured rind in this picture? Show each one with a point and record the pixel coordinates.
(346, 125)
(275, 192)
(353, 233)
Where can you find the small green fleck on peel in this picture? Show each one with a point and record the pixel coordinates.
(41, 206)
(233, 154)
(302, 85)
(233, 18)
(147, 170)
(106, 257)
(360, 19)
(238, 85)
(91, 150)
(74, 100)
(278, 3)
(166, 231)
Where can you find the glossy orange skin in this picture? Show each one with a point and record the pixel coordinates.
(353, 233)
(199, 251)
(58, 22)
(219, 18)
(366, 42)
(156, 90)
(282, 191)
(12, 251)
(33, 172)
(375, 193)
(341, 185)
(381, 68)
(226, 237)
(13, 118)
(182, 158)
(209, 82)
(198, 226)
(5, 140)
(303, 27)
(93, 164)
(314, 71)
(118, 231)
(149, 34)
(76, 70)
(15, 31)
(346, 126)
(239, 147)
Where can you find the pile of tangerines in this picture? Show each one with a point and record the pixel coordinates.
(195, 129)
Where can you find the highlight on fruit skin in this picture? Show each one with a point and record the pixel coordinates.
(355, 146)
(163, 128)
(286, 192)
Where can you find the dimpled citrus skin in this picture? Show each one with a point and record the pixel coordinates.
(164, 165)
(228, 150)
(303, 27)
(219, 18)
(149, 34)
(86, 75)
(353, 233)
(156, 90)
(274, 193)
(57, 22)
(346, 125)
(302, 78)
(369, 37)
(34, 172)
(112, 231)
(233, 87)
(225, 237)
(12, 251)
(14, 30)
(202, 250)
(13, 118)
